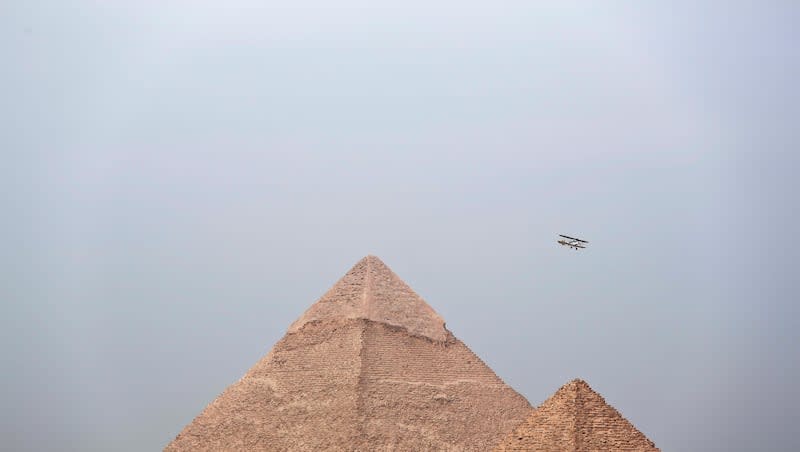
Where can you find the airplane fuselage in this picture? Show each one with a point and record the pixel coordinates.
(570, 244)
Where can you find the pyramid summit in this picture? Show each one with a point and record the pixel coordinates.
(576, 419)
(369, 366)
(372, 291)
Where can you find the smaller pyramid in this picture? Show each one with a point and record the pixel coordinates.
(576, 419)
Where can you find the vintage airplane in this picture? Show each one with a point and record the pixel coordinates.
(572, 242)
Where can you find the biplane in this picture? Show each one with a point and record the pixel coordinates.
(572, 242)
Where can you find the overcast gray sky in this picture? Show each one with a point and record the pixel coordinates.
(181, 180)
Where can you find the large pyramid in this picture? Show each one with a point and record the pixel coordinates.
(368, 367)
(576, 419)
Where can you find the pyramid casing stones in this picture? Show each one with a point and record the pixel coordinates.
(368, 367)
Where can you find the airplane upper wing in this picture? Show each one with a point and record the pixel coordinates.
(572, 238)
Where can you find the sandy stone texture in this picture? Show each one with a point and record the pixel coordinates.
(576, 419)
(369, 367)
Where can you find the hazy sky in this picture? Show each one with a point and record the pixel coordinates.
(181, 180)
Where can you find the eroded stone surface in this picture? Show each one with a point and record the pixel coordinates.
(576, 419)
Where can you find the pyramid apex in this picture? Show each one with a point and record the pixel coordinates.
(371, 290)
(579, 388)
(372, 259)
(578, 383)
